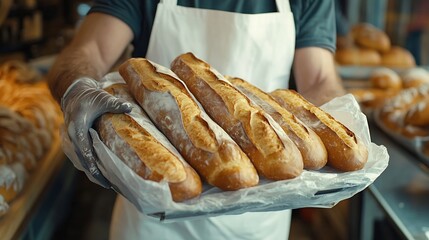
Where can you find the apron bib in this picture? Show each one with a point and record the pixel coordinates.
(256, 47)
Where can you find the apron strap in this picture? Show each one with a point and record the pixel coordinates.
(169, 2)
(283, 6)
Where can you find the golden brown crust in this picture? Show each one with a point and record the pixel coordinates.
(415, 77)
(398, 57)
(368, 36)
(345, 151)
(273, 154)
(406, 112)
(385, 78)
(358, 56)
(146, 153)
(215, 156)
(372, 97)
(418, 114)
(310, 145)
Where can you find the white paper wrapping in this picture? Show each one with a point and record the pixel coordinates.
(323, 188)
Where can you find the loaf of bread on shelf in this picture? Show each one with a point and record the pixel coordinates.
(312, 149)
(368, 36)
(29, 116)
(174, 110)
(358, 56)
(415, 77)
(396, 113)
(418, 114)
(140, 145)
(372, 98)
(385, 79)
(269, 148)
(346, 152)
(397, 57)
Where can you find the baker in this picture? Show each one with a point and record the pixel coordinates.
(260, 41)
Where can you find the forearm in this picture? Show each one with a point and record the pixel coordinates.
(73, 63)
(323, 90)
(315, 75)
(97, 45)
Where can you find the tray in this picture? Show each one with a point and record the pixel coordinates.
(323, 188)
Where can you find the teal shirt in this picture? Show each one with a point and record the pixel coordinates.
(314, 19)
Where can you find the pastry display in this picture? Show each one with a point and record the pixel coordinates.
(366, 45)
(29, 122)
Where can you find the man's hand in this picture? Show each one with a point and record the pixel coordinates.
(83, 102)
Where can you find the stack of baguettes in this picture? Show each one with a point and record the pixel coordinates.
(227, 130)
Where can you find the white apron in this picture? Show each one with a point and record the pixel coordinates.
(256, 47)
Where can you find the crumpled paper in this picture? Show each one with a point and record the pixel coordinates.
(323, 188)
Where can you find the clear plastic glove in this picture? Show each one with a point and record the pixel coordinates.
(83, 102)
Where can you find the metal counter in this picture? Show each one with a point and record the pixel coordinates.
(399, 197)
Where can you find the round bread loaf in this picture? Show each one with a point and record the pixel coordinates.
(398, 57)
(385, 78)
(415, 77)
(357, 56)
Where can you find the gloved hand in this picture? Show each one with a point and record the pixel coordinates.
(82, 103)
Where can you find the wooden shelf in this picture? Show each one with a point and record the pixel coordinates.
(15, 220)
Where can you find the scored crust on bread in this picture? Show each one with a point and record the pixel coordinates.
(415, 77)
(346, 152)
(272, 152)
(137, 142)
(405, 113)
(173, 109)
(308, 142)
(418, 114)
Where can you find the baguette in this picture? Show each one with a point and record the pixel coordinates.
(368, 36)
(405, 113)
(308, 142)
(273, 154)
(145, 150)
(346, 152)
(418, 114)
(167, 101)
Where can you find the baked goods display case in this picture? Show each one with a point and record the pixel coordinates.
(392, 91)
(387, 83)
(30, 149)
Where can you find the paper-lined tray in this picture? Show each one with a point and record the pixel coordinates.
(323, 188)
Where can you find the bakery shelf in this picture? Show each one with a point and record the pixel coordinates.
(15, 221)
(364, 72)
